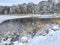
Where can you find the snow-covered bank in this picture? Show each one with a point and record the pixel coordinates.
(51, 38)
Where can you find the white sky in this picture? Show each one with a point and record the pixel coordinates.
(10, 2)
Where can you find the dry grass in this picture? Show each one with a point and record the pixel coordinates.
(30, 29)
(55, 21)
(38, 26)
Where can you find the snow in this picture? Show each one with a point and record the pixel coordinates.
(9, 17)
(24, 39)
(4, 42)
(55, 27)
(17, 43)
(52, 38)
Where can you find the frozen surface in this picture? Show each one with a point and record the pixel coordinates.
(9, 17)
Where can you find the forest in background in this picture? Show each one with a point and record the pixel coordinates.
(43, 7)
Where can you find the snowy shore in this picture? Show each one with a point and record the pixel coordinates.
(52, 37)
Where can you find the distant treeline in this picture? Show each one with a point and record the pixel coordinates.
(43, 7)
